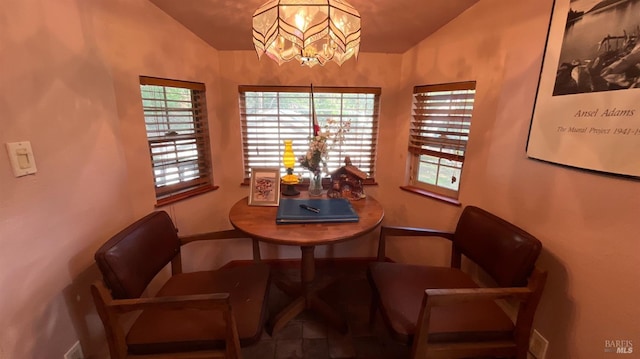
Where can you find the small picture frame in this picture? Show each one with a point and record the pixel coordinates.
(265, 187)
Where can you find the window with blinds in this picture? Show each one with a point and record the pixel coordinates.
(176, 122)
(270, 115)
(438, 135)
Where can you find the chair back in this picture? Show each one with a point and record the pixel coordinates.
(507, 253)
(132, 258)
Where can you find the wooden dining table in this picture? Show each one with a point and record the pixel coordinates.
(259, 223)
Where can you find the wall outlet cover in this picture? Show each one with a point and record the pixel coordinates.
(75, 352)
(538, 345)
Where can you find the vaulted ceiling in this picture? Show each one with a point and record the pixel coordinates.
(388, 26)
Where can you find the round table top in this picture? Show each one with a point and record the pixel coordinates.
(259, 222)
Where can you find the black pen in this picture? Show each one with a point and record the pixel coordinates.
(309, 208)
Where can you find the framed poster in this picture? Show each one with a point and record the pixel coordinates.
(265, 187)
(587, 108)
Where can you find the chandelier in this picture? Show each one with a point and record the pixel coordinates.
(310, 31)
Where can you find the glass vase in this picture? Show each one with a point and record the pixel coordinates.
(315, 184)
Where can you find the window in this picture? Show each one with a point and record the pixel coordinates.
(438, 136)
(175, 117)
(270, 115)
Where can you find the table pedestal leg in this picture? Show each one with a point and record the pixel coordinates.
(307, 298)
(289, 312)
(307, 272)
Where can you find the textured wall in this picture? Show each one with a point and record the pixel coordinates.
(69, 84)
(586, 222)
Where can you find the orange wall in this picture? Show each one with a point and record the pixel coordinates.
(68, 83)
(586, 222)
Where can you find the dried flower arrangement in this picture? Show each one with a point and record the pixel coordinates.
(320, 145)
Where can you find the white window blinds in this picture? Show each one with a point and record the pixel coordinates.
(176, 123)
(441, 120)
(438, 136)
(269, 115)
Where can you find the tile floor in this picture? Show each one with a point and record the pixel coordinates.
(306, 336)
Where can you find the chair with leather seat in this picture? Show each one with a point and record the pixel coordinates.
(441, 311)
(203, 314)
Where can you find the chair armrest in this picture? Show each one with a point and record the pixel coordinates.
(406, 232)
(219, 301)
(533, 291)
(110, 309)
(414, 232)
(228, 234)
(438, 297)
(197, 301)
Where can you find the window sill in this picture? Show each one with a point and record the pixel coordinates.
(425, 193)
(184, 195)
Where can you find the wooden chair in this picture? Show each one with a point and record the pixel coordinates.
(205, 314)
(441, 311)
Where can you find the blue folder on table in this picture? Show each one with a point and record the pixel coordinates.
(329, 210)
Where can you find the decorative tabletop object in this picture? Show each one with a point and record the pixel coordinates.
(315, 159)
(289, 180)
(346, 182)
(265, 187)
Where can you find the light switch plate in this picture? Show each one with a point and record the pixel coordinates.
(21, 158)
